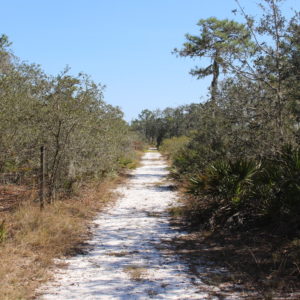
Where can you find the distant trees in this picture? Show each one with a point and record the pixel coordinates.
(158, 125)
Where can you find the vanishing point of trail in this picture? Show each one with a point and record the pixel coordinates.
(129, 258)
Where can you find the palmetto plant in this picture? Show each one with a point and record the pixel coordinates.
(230, 180)
(279, 183)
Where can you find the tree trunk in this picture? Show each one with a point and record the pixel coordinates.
(214, 84)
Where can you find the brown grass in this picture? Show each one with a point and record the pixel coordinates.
(34, 238)
(11, 195)
(136, 273)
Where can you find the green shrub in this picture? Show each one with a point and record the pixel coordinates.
(225, 180)
(126, 162)
(171, 147)
(278, 186)
(270, 189)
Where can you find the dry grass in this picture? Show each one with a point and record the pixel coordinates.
(118, 254)
(34, 238)
(136, 273)
(11, 195)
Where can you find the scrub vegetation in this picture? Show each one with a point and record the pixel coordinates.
(237, 155)
(84, 138)
(61, 149)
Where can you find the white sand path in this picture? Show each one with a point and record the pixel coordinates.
(127, 259)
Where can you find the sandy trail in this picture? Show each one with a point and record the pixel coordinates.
(128, 259)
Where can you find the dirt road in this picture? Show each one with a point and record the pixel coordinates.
(129, 257)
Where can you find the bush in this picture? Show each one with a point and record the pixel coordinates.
(278, 185)
(269, 190)
(225, 180)
(171, 147)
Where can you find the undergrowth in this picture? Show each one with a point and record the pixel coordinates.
(252, 206)
(32, 238)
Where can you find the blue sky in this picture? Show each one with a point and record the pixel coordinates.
(123, 44)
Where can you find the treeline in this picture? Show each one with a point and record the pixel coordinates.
(84, 138)
(159, 125)
(238, 153)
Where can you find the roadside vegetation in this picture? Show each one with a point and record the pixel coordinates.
(237, 155)
(83, 137)
(34, 238)
(48, 197)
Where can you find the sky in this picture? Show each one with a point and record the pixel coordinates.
(125, 45)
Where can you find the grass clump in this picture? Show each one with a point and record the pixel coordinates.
(2, 231)
(136, 273)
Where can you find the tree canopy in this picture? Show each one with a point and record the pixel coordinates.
(223, 42)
